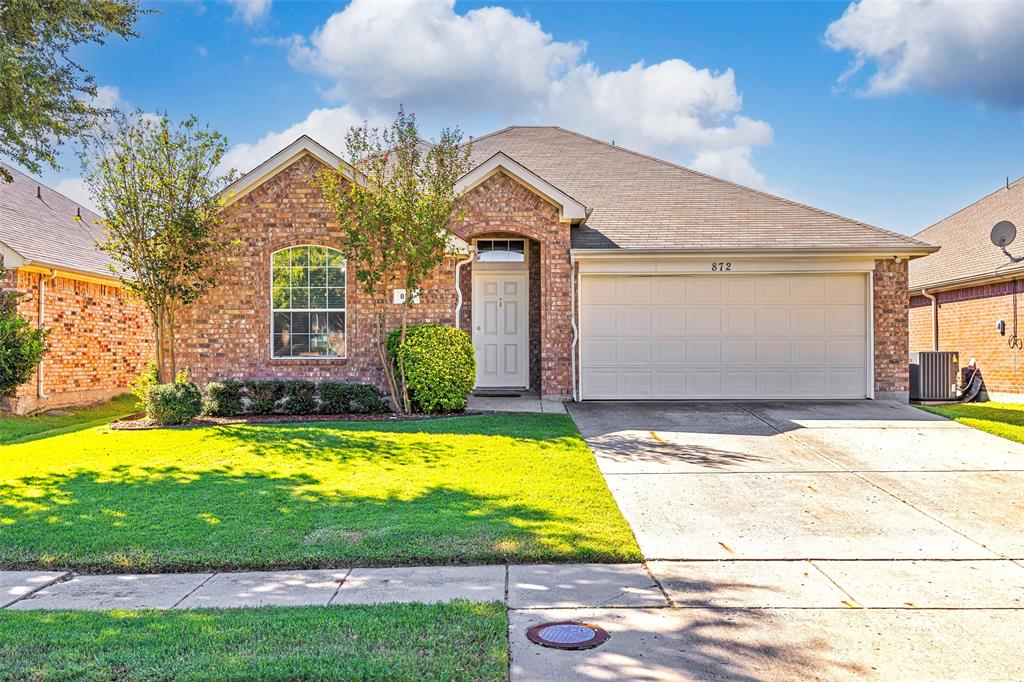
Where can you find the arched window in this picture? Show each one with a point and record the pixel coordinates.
(308, 303)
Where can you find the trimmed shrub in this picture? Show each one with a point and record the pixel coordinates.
(223, 399)
(263, 395)
(177, 403)
(299, 397)
(368, 399)
(335, 397)
(440, 367)
(22, 346)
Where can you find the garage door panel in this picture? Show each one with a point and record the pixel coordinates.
(633, 319)
(703, 290)
(670, 319)
(669, 351)
(704, 352)
(772, 289)
(773, 320)
(633, 289)
(727, 336)
(739, 319)
(773, 351)
(704, 319)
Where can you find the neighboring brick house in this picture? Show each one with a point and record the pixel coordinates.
(587, 271)
(960, 295)
(99, 336)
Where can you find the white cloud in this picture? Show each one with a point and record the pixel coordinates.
(251, 11)
(946, 46)
(76, 189)
(107, 97)
(492, 64)
(327, 126)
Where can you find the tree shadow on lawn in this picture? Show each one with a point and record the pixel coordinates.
(401, 442)
(167, 518)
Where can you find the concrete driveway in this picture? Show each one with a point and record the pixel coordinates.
(806, 540)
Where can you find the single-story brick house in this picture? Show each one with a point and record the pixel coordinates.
(590, 272)
(959, 295)
(99, 336)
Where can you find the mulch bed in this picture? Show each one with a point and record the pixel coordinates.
(139, 421)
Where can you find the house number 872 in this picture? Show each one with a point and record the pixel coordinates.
(721, 267)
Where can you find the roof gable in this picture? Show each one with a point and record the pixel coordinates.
(303, 146)
(967, 252)
(569, 209)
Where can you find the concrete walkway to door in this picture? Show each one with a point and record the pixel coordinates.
(812, 540)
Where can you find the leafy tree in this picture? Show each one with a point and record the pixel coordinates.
(156, 184)
(22, 346)
(395, 202)
(45, 95)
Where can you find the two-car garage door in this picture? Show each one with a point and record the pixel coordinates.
(724, 336)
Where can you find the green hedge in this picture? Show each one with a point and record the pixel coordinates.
(223, 398)
(440, 367)
(230, 398)
(177, 403)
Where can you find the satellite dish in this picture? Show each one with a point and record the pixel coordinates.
(1003, 233)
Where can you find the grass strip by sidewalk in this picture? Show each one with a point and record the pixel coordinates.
(454, 641)
(17, 429)
(1002, 419)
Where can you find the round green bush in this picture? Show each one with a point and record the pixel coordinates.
(223, 398)
(177, 403)
(440, 367)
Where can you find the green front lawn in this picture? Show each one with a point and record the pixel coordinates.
(454, 641)
(1002, 419)
(17, 429)
(480, 489)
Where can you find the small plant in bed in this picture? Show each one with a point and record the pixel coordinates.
(171, 404)
(438, 363)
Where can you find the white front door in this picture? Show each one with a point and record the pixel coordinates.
(500, 323)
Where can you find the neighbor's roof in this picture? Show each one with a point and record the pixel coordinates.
(640, 202)
(39, 225)
(967, 250)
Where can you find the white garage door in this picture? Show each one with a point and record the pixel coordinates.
(726, 336)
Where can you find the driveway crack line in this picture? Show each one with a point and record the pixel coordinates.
(341, 582)
(832, 580)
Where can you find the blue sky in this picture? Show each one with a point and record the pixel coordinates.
(931, 122)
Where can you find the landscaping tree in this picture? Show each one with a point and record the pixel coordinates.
(21, 345)
(156, 184)
(45, 96)
(395, 202)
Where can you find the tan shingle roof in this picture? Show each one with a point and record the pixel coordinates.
(43, 228)
(638, 201)
(967, 251)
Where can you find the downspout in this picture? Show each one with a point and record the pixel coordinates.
(40, 380)
(458, 286)
(572, 316)
(935, 317)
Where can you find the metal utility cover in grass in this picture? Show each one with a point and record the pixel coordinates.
(567, 635)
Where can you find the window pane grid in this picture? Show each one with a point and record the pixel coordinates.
(308, 302)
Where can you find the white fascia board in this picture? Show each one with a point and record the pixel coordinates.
(570, 209)
(908, 251)
(279, 161)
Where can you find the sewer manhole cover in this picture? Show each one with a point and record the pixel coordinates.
(567, 635)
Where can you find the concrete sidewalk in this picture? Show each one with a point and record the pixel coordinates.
(735, 584)
(670, 620)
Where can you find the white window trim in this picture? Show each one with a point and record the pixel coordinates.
(272, 310)
(501, 266)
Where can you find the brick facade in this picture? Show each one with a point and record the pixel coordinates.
(227, 333)
(967, 324)
(502, 206)
(890, 328)
(99, 340)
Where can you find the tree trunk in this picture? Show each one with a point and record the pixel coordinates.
(406, 403)
(158, 343)
(171, 341)
(385, 359)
